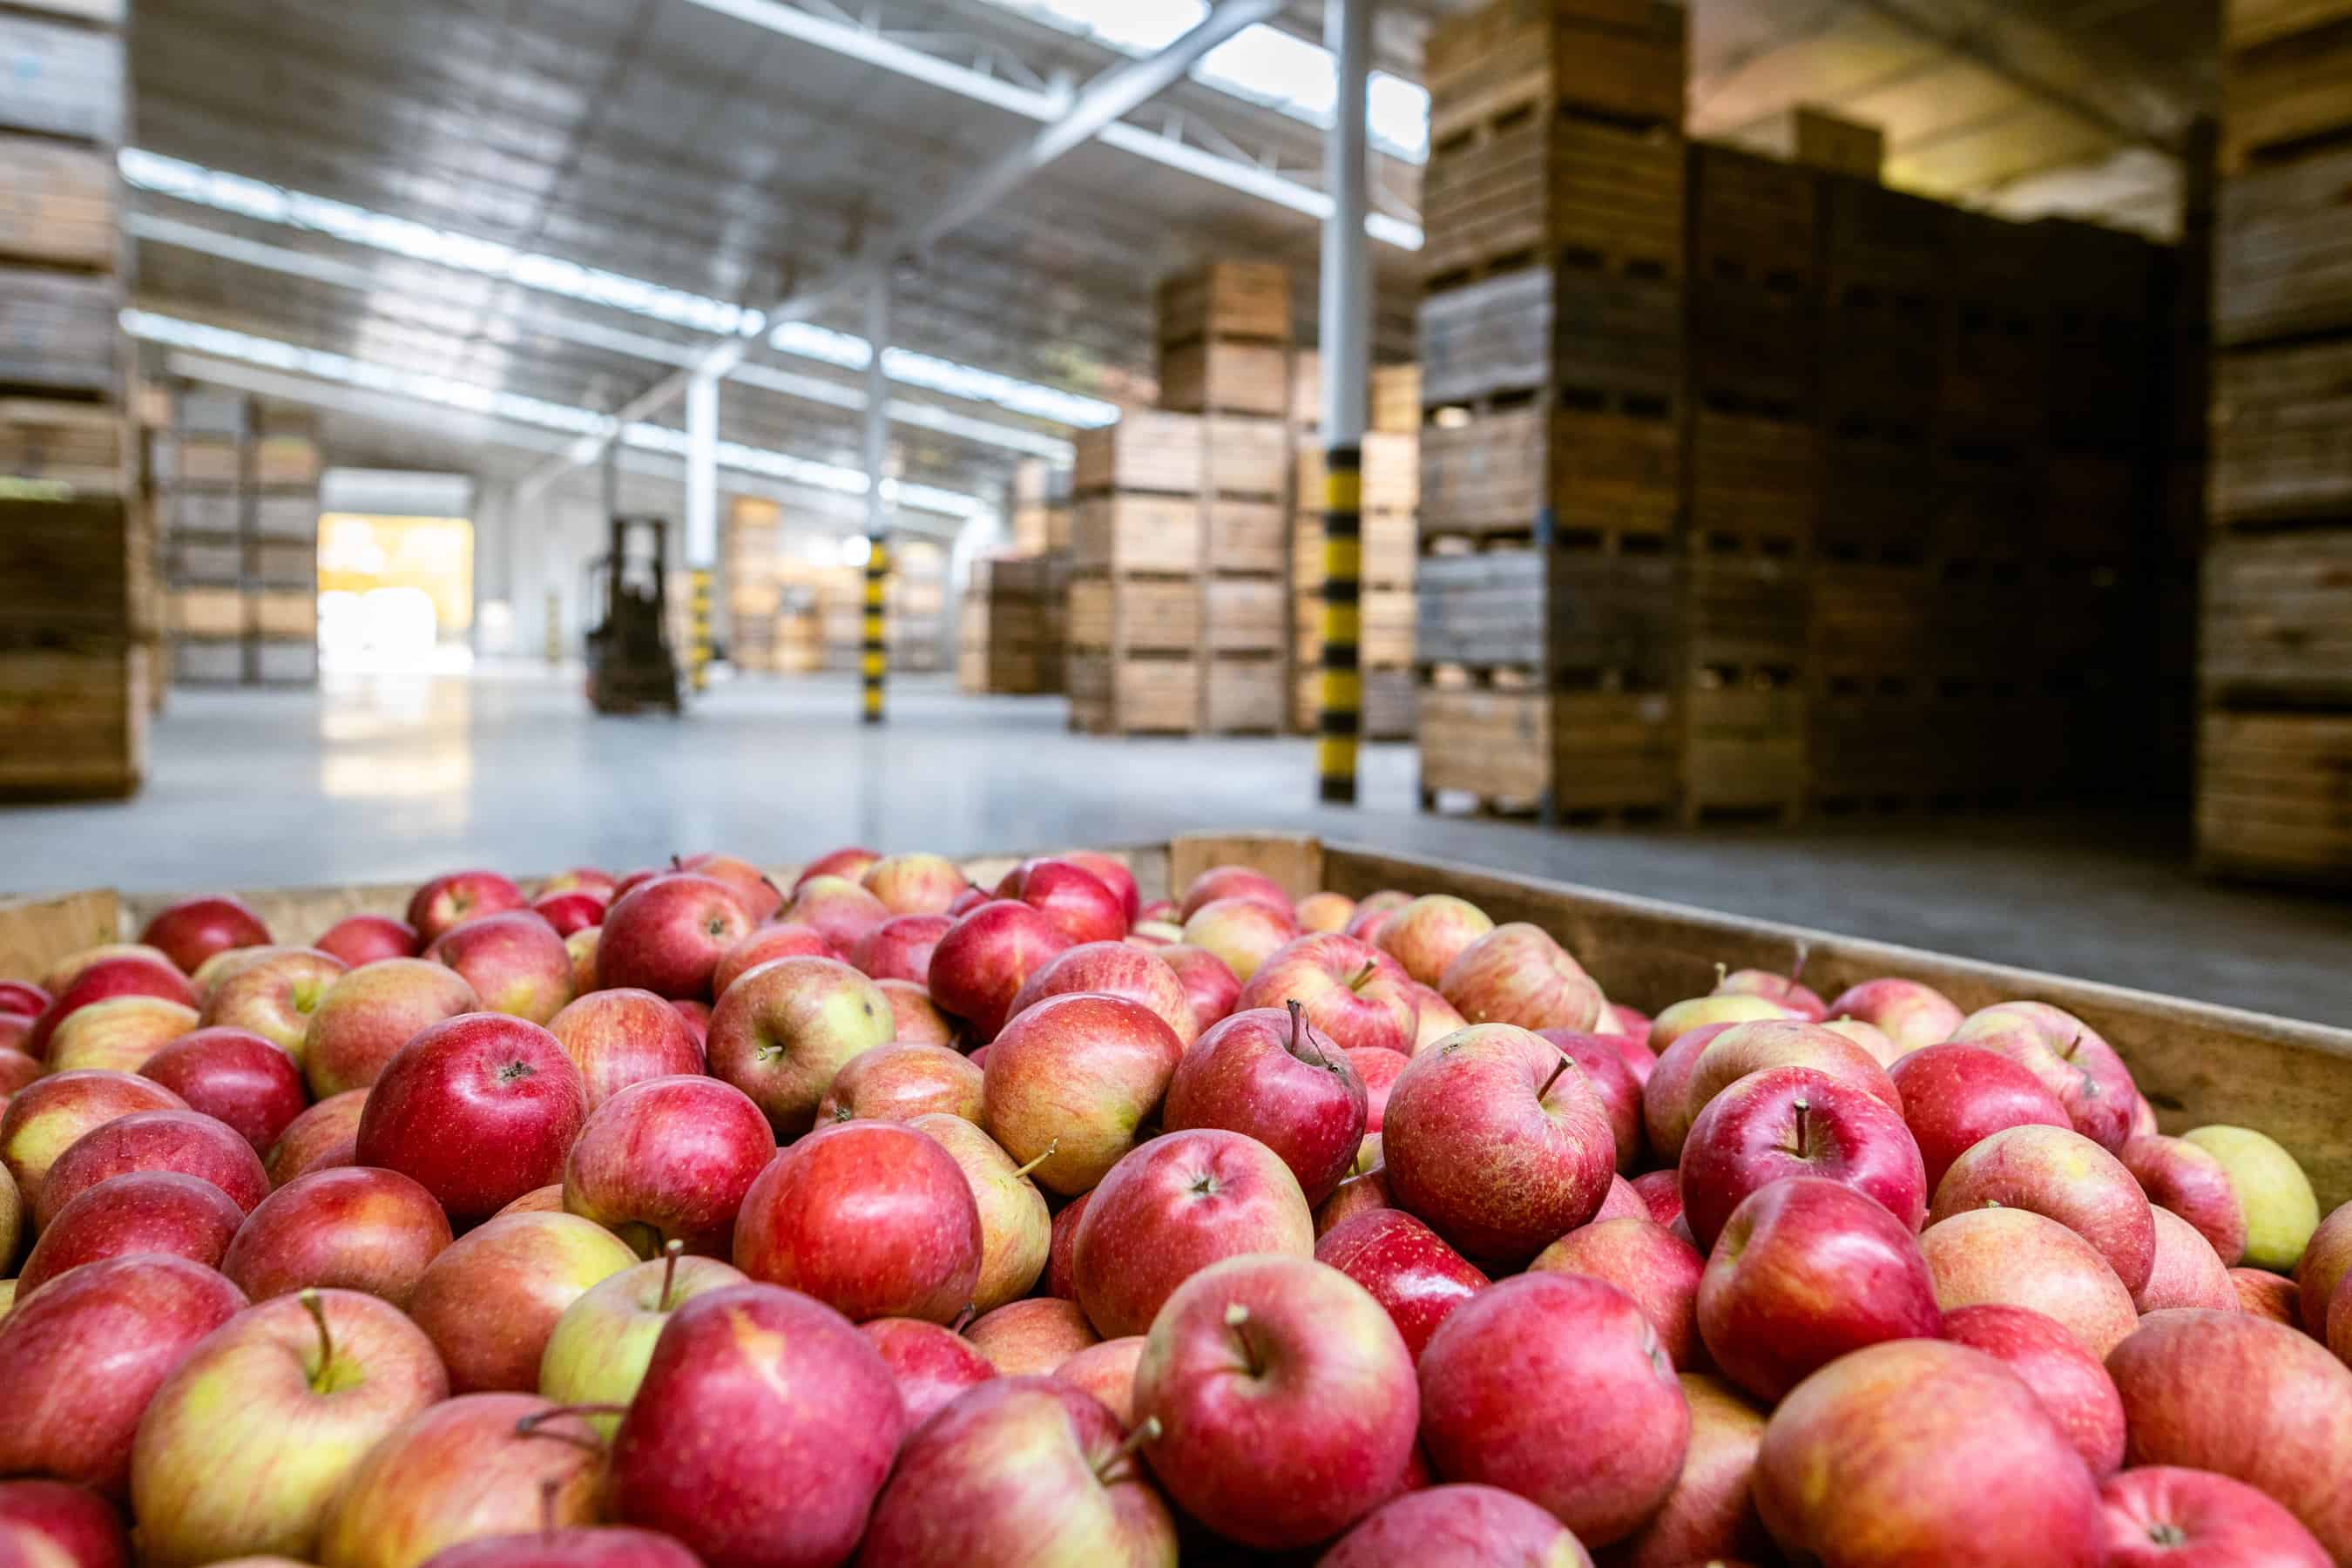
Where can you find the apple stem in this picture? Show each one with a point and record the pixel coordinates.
(1299, 1028)
(1025, 1169)
(671, 1250)
(1372, 967)
(1237, 1319)
(1148, 1432)
(528, 1426)
(1565, 1061)
(1722, 973)
(318, 1311)
(676, 862)
(965, 1317)
(1801, 1108)
(1797, 970)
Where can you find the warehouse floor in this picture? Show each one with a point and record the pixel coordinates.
(385, 779)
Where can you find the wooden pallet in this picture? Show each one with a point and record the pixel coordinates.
(2250, 24)
(1608, 473)
(1225, 375)
(1624, 59)
(1753, 219)
(83, 447)
(1743, 744)
(2282, 98)
(2282, 434)
(1576, 329)
(1754, 479)
(66, 571)
(1245, 615)
(2095, 506)
(59, 333)
(2282, 252)
(1754, 342)
(1145, 450)
(1244, 693)
(2274, 795)
(1745, 610)
(1870, 511)
(1126, 614)
(65, 80)
(57, 204)
(1550, 613)
(1819, 139)
(1532, 189)
(76, 720)
(1247, 299)
(1995, 357)
(1575, 755)
(1245, 456)
(1134, 695)
(1878, 242)
(2277, 626)
(1246, 533)
(1123, 534)
(1880, 359)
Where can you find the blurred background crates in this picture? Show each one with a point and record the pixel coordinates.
(237, 492)
(1015, 621)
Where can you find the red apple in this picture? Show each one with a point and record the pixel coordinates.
(1430, 933)
(1911, 1015)
(1378, 1070)
(1172, 1207)
(1074, 899)
(66, 970)
(344, 1229)
(933, 1364)
(139, 1211)
(1494, 1140)
(234, 1076)
(1277, 1398)
(1661, 1193)
(850, 862)
(1449, 1523)
(1797, 1122)
(369, 1014)
(1062, 1249)
(566, 914)
(193, 930)
(668, 935)
(1016, 1231)
(1529, 1359)
(1518, 975)
(1417, 1278)
(1657, 1269)
(179, 1141)
(1073, 1079)
(1228, 882)
(1956, 1096)
(2057, 1173)
(46, 1117)
(2162, 1516)
(1210, 983)
(1751, 1048)
(1372, 912)
(1242, 932)
(1870, 1037)
(1113, 874)
(696, 1016)
(1263, 1072)
(362, 939)
(539, 1200)
(1114, 969)
(764, 1429)
(782, 1031)
(121, 1034)
(570, 1546)
(2192, 1183)
(902, 1081)
(980, 965)
(325, 1135)
(479, 1110)
(1786, 989)
(480, 1466)
(593, 880)
(774, 940)
(459, 896)
(1351, 991)
(619, 1037)
(75, 1521)
(900, 948)
(136, 973)
(581, 947)
(1919, 1452)
(22, 996)
(491, 1297)
(1710, 1516)
(1032, 1338)
(2021, 1258)
(274, 994)
(2144, 1123)
(837, 910)
(2068, 1380)
(916, 1019)
(668, 1159)
(917, 884)
(2186, 1271)
(1662, 1119)
(1106, 1371)
(1620, 1092)
(2326, 1258)
(2069, 1057)
(759, 897)
(2267, 1295)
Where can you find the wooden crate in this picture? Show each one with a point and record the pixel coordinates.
(1225, 300)
(1870, 511)
(1145, 450)
(2248, 24)
(1389, 544)
(286, 614)
(2278, 619)
(1245, 615)
(1754, 481)
(1389, 473)
(1551, 614)
(1802, 134)
(57, 204)
(66, 571)
(1995, 361)
(2282, 434)
(1243, 456)
(59, 333)
(1130, 614)
(1395, 396)
(1134, 695)
(1494, 746)
(84, 446)
(1870, 743)
(1385, 641)
(1982, 511)
(1244, 693)
(1607, 474)
(76, 721)
(1757, 344)
(1218, 375)
(284, 459)
(1591, 335)
(1746, 612)
(1038, 527)
(2279, 98)
(1622, 59)
(1126, 533)
(1536, 191)
(1875, 241)
(1243, 536)
(2283, 255)
(1560, 755)
(1753, 219)
(1743, 744)
(2274, 795)
(64, 80)
(1391, 703)
(2095, 507)
(206, 612)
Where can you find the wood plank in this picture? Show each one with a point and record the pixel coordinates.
(36, 933)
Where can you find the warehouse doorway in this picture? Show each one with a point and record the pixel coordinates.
(395, 594)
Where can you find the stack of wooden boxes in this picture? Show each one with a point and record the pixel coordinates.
(916, 605)
(1391, 497)
(239, 502)
(1041, 508)
(1012, 626)
(2275, 772)
(76, 615)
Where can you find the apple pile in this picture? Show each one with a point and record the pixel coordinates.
(686, 1218)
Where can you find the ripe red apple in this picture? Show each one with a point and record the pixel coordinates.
(2021, 1258)
(668, 935)
(1378, 1070)
(1471, 1525)
(1807, 1270)
(1277, 1400)
(478, 1466)
(45, 1117)
(362, 939)
(139, 1211)
(22, 996)
(1032, 1338)
(346, 1228)
(1172, 1207)
(1518, 975)
(1620, 1092)
(916, 884)
(849, 861)
(1413, 1275)
(1917, 1451)
(193, 930)
(932, 1363)
(179, 1141)
(82, 1357)
(1657, 1269)
(479, 1110)
(1906, 1012)
(915, 1018)
(121, 1034)
(572, 1546)
(1106, 1371)
(539, 1200)
(1530, 1358)
(1869, 1036)
(838, 909)
(1242, 931)
(774, 940)
(367, 1014)
(2162, 1516)
(1494, 1140)
(1351, 991)
(1797, 1122)
(17, 1069)
(783, 1029)
(491, 1297)
(1372, 912)
(619, 1037)
(900, 948)
(137, 973)
(1438, 1017)
(566, 914)
(872, 1219)
(1072, 1079)
(2326, 1258)
(1210, 983)
(668, 1159)
(1061, 1248)
(1113, 873)
(2069, 1057)
(1710, 1516)
(744, 1384)
(2058, 1172)
(599, 1348)
(74, 1521)
(900, 1081)
(234, 1076)
(1786, 989)
(274, 994)
(2186, 1270)
(66, 970)
(759, 897)
(1078, 903)
(1263, 1072)
(1955, 1096)
(1661, 1193)
(2068, 1380)
(2248, 1399)
(2192, 1183)
(324, 1136)
(980, 965)
(581, 947)
(1228, 882)
(1743, 1048)
(1114, 969)
(589, 880)
(1430, 933)
(459, 895)
(2267, 1295)
(515, 962)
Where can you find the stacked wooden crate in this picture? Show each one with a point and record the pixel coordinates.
(916, 619)
(1391, 493)
(1552, 373)
(1012, 641)
(750, 566)
(1040, 507)
(1135, 598)
(2275, 772)
(239, 502)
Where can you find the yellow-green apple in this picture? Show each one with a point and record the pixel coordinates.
(567, 914)
(1516, 974)
(1493, 1138)
(1114, 969)
(315, 1381)
(77, 1523)
(1620, 1091)
(932, 1363)
(459, 896)
(346, 1228)
(1324, 911)
(2068, 1380)
(1710, 1516)
(367, 1014)
(515, 962)
(1172, 1207)
(1378, 1069)
(1427, 934)
(1531, 1357)
(2281, 1211)
(783, 1029)
(274, 995)
(1154, 934)
(1013, 1468)
(178, 1140)
(1956, 1096)
(666, 935)
(1263, 1072)
(897, 949)
(850, 861)
(2249, 1399)
(2057, 1173)
(2326, 1260)
(1360, 1193)
(139, 1211)
(746, 1385)
(46, 1117)
(774, 940)
(581, 948)
(668, 1159)
(760, 896)
(1210, 983)
(1061, 1252)
(193, 930)
(1869, 1036)
(325, 1135)
(1016, 1231)
(980, 965)
(1786, 989)
(479, 1110)
(1661, 1193)
(1917, 1451)
(836, 909)
(478, 1466)
(915, 1018)
(2187, 1271)
(597, 1351)
(1106, 1371)
(1413, 1275)
(362, 940)
(491, 1297)
(1032, 1337)
(1697, 1012)
(1372, 912)
(622, 1036)
(81, 1357)
(915, 884)
(132, 972)
(2268, 1295)
(2024, 1259)
(1906, 1012)
(1464, 1523)
(2069, 1057)
(1807, 1269)
(1352, 992)
(1245, 933)
(1797, 1122)
(2166, 1516)
(873, 1218)
(589, 880)
(1276, 1399)
(902, 1081)
(2192, 1183)
(1073, 1079)
(122, 1033)
(13, 1217)
(1231, 882)
(234, 1076)
(1657, 1269)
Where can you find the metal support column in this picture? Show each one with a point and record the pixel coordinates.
(701, 519)
(1347, 324)
(876, 662)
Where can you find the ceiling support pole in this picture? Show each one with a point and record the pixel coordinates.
(1347, 326)
(874, 663)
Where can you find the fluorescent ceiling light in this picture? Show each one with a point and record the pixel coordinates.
(343, 370)
(905, 366)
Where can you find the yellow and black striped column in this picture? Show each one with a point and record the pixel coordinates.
(876, 663)
(698, 628)
(1341, 722)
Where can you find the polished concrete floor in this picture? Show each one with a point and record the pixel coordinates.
(385, 779)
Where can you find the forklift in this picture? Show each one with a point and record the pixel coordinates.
(631, 666)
